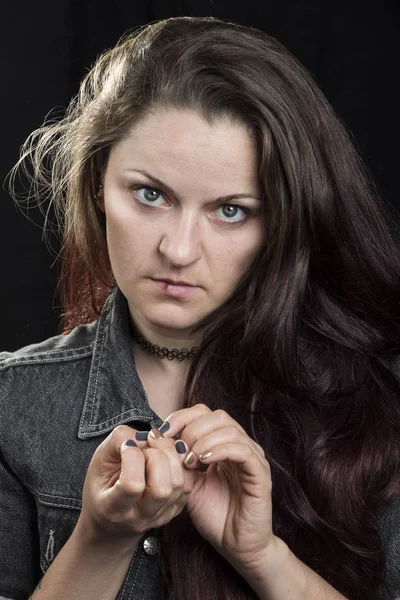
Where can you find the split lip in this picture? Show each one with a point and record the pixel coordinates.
(172, 282)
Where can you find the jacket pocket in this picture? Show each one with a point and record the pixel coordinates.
(57, 517)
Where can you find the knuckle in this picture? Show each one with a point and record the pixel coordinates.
(162, 492)
(117, 430)
(221, 414)
(136, 487)
(131, 488)
(120, 432)
(178, 483)
(260, 450)
(233, 432)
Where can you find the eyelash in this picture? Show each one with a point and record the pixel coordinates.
(244, 209)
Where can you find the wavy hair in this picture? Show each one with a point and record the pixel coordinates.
(301, 353)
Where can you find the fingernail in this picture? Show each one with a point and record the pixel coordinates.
(141, 436)
(191, 457)
(204, 455)
(130, 443)
(164, 427)
(180, 447)
(155, 434)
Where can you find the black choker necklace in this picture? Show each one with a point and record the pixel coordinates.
(165, 352)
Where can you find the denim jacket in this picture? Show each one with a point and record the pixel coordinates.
(59, 400)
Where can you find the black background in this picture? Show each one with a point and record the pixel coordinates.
(351, 48)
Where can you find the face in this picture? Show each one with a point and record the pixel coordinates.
(170, 215)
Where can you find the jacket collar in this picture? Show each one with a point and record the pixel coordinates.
(115, 394)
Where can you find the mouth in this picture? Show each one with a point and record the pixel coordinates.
(172, 282)
(176, 289)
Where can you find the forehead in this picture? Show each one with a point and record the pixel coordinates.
(177, 143)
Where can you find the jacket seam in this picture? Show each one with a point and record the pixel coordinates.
(132, 584)
(47, 357)
(50, 500)
(101, 343)
(66, 506)
(127, 413)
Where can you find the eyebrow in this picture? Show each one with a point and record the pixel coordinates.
(171, 192)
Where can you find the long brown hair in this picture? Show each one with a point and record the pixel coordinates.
(301, 353)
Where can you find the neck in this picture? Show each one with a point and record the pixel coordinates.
(168, 353)
(171, 369)
(155, 346)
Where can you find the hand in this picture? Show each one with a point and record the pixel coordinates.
(117, 499)
(230, 503)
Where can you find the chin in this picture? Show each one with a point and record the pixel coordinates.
(169, 319)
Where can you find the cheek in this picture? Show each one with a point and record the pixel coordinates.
(126, 244)
(245, 250)
(234, 261)
(123, 229)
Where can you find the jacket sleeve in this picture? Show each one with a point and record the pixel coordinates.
(389, 528)
(19, 546)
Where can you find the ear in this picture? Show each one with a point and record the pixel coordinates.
(100, 198)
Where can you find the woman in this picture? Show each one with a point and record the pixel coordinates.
(220, 418)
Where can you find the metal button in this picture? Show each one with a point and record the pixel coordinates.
(151, 545)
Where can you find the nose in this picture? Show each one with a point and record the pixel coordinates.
(180, 242)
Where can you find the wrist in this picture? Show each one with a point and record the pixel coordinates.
(280, 575)
(91, 536)
(268, 572)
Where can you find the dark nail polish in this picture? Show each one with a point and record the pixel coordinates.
(141, 436)
(164, 427)
(130, 443)
(180, 447)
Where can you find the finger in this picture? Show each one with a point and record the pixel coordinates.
(175, 422)
(197, 421)
(209, 423)
(132, 475)
(224, 435)
(167, 445)
(254, 474)
(159, 488)
(129, 483)
(109, 451)
(141, 437)
(182, 481)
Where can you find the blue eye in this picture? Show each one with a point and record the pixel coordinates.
(231, 211)
(150, 195)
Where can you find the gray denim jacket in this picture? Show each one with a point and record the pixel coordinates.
(59, 400)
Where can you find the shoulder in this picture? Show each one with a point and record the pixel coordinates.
(78, 343)
(39, 380)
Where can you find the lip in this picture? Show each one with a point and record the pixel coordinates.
(172, 282)
(175, 289)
